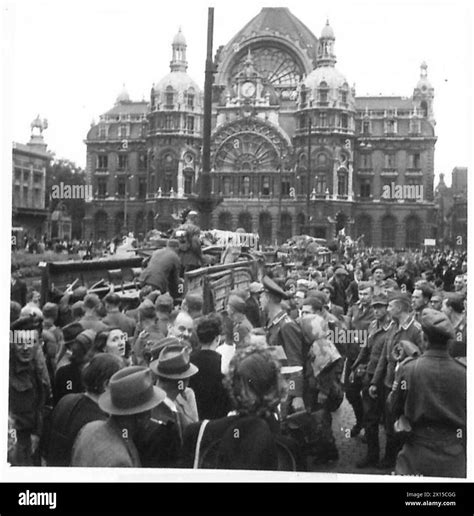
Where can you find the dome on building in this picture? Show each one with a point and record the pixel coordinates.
(179, 39)
(327, 31)
(333, 78)
(123, 96)
(179, 81)
(423, 82)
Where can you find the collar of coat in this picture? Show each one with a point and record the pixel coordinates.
(408, 323)
(277, 319)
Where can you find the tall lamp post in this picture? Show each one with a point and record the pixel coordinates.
(308, 185)
(207, 200)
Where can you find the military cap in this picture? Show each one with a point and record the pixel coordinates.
(436, 324)
(164, 300)
(326, 285)
(272, 288)
(27, 322)
(380, 299)
(317, 294)
(402, 297)
(363, 285)
(342, 271)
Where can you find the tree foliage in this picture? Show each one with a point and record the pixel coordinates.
(66, 172)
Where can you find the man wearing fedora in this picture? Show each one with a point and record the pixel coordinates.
(129, 400)
(430, 393)
(283, 331)
(174, 369)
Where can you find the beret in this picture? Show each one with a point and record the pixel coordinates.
(271, 287)
(436, 324)
(27, 322)
(236, 302)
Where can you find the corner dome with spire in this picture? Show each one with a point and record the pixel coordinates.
(179, 39)
(123, 96)
(423, 82)
(177, 83)
(326, 81)
(327, 31)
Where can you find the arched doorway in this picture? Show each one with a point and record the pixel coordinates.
(245, 221)
(224, 221)
(286, 228)
(412, 232)
(364, 227)
(388, 228)
(265, 227)
(100, 225)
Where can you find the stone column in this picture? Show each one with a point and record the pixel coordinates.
(180, 183)
(334, 180)
(350, 181)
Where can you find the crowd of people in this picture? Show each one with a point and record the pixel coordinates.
(162, 384)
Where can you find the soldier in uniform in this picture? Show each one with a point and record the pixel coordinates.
(430, 394)
(360, 315)
(283, 331)
(367, 362)
(378, 282)
(241, 326)
(405, 328)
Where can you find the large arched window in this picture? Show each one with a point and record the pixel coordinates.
(245, 221)
(265, 227)
(150, 221)
(342, 186)
(388, 228)
(286, 228)
(224, 221)
(169, 98)
(139, 224)
(100, 225)
(169, 172)
(364, 228)
(413, 232)
(323, 92)
(300, 223)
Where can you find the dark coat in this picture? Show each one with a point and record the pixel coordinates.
(68, 417)
(284, 331)
(211, 396)
(68, 380)
(385, 370)
(254, 449)
(18, 292)
(253, 313)
(430, 391)
(162, 271)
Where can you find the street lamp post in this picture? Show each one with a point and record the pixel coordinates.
(308, 180)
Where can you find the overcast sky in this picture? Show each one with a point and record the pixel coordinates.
(67, 60)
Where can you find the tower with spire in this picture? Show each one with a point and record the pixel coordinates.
(178, 62)
(326, 55)
(423, 95)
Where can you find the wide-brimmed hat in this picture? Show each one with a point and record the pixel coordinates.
(174, 363)
(131, 391)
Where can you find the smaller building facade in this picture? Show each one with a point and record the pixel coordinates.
(29, 213)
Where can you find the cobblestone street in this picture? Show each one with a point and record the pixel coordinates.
(350, 449)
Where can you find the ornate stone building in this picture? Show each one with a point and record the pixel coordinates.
(29, 213)
(294, 149)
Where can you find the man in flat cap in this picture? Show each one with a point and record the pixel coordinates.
(283, 331)
(430, 393)
(404, 328)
